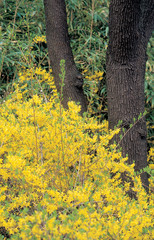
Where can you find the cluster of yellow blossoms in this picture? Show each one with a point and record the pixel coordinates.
(39, 39)
(59, 177)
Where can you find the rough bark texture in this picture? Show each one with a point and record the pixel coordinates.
(130, 26)
(59, 48)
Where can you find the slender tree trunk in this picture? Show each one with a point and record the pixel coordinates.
(59, 48)
(130, 26)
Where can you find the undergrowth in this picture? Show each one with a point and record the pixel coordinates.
(59, 177)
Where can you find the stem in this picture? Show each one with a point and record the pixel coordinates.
(36, 137)
(92, 22)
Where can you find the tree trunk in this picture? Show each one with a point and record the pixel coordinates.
(130, 26)
(59, 48)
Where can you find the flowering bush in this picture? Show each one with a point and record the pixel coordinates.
(59, 177)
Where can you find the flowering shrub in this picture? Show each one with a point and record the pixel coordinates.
(59, 177)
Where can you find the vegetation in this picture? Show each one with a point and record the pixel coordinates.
(59, 176)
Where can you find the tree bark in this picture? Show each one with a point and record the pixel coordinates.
(129, 30)
(59, 48)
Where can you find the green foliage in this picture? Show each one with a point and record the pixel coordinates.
(20, 22)
(149, 84)
(149, 90)
(88, 28)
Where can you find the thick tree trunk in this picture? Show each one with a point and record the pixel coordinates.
(59, 48)
(126, 59)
